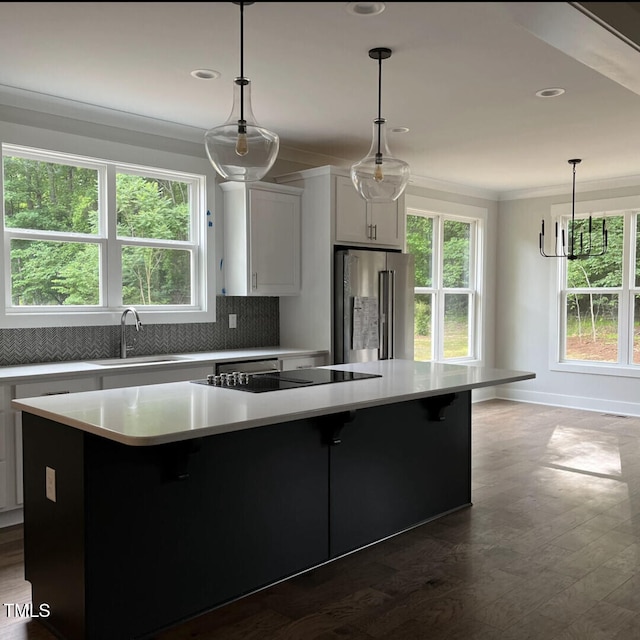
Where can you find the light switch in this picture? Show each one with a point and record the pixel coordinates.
(51, 484)
(233, 321)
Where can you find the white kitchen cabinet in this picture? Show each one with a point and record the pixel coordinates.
(306, 362)
(358, 222)
(54, 386)
(3, 460)
(7, 447)
(261, 239)
(119, 380)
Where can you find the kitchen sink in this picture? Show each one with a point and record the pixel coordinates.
(110, 362)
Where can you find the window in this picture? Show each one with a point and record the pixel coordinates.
(599, 297)
(85, 236)
(446, 291)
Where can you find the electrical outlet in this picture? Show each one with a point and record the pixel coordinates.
(233, 321)
(51, 484)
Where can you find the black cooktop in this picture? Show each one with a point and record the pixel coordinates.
(277, 380)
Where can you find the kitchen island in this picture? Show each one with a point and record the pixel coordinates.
(146, 506)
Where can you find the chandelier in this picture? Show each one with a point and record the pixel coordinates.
(573, 245)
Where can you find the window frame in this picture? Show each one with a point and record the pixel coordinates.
(200, 243)
(441, 211)
(629, 208)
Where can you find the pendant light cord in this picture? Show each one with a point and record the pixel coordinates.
(379, 123)
(242, 80)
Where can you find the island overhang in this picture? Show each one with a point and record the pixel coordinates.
(157, 414)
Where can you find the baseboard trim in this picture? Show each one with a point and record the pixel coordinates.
(600, 405)
(11, 518)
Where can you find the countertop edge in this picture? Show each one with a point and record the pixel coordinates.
(499, 377)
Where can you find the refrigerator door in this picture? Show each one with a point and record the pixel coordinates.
(401, 265)
(373, 307)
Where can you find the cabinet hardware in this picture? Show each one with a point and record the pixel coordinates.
(254, 280)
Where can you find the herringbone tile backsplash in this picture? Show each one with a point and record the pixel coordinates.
(258, 326)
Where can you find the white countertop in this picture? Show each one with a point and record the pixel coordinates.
(156, 414)
(38, 371)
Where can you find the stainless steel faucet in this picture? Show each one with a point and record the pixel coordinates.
(123, 337)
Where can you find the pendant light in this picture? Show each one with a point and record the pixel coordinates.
(379, 177)
(240, 150)
(585, 250)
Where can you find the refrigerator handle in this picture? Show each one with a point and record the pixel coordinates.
(391, 315)
(386, 286)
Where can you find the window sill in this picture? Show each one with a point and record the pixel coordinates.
(599, 369)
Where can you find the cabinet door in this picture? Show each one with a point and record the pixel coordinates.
(396, 466)
(306, 362)
(387, 223)
(366, 223)
(120, 380)
(3, 462)
(351, 214)
(274, 243)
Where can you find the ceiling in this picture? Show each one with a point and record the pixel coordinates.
(463, 78)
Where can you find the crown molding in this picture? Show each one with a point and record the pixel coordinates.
(453, 187)
(73, 109)
(558, 190)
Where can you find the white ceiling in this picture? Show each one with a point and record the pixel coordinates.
(462, 77)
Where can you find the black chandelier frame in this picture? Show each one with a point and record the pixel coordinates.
(570, 242)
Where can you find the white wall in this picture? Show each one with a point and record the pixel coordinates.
(525, 299)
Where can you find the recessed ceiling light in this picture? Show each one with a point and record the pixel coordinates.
(400, 130)
(550, 93)
(205, 74)
(365, 8)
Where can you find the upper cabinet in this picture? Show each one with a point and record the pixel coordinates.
(261, 239)
(333, 213)
(358, 222)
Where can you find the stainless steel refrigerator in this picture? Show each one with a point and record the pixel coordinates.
(373, 305)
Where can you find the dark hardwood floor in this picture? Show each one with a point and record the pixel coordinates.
(550, 550)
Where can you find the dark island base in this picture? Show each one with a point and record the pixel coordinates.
(142, 538)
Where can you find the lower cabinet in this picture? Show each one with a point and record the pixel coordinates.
(397, 465)
(162, 533)
(306, 362)
(119, 380)
(158, 534)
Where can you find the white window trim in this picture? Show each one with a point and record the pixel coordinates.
(420, 205)
(203, 277)
(625, 308)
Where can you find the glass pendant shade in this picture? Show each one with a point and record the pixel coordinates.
(241, 150)
(379, 177)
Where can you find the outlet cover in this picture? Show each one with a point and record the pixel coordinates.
(233, 321)
(51, 484)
